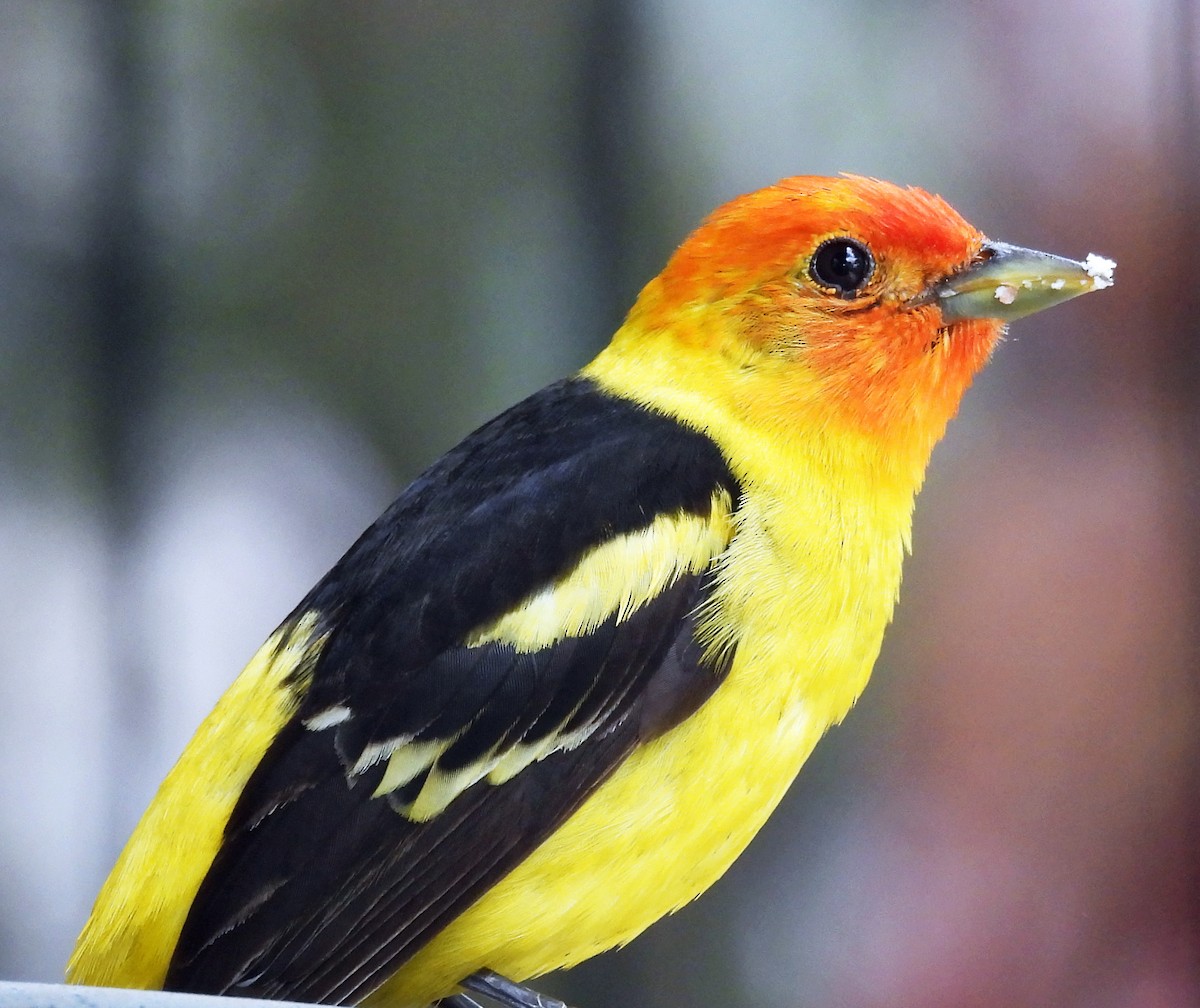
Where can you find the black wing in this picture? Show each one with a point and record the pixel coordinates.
(330, 876)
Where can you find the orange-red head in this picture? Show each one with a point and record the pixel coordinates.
(846, 300)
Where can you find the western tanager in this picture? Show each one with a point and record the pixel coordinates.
(551, 694)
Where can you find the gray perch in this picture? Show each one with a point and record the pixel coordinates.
(35, 995)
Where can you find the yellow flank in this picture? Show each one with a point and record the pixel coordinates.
(133, 928)
(805, 591)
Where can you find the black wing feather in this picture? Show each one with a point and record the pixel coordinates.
(319, 891)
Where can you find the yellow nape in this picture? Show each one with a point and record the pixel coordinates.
(131, 933)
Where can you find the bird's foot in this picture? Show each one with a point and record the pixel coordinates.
(498, 988)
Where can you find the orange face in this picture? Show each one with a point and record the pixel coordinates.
(820, 275)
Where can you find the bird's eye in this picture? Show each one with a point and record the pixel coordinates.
(843, 265)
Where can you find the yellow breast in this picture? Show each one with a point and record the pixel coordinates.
(811, 609)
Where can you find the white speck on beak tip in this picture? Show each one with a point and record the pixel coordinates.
(1100, 270)
(1006, 293)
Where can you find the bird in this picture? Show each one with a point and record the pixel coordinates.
(552, 693)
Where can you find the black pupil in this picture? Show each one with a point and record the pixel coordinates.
(843, 264)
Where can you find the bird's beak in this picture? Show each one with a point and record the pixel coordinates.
(1008, 282)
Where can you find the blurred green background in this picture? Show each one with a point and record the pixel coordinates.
(260, 262)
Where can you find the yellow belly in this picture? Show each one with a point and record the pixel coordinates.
(659, 833)
(678, 812)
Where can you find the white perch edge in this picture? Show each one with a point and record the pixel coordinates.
(40, 995)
